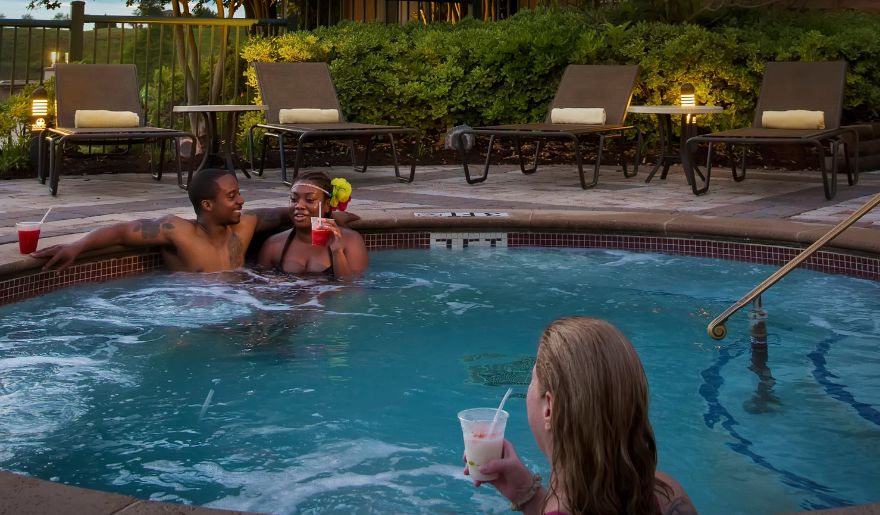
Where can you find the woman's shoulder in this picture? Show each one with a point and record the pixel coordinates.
(278, 237)
(673, 500)
(272, 247)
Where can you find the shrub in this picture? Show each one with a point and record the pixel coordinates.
(15, 130)
(482, 73)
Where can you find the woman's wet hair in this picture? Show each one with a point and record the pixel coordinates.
(203, 186)
(604, 455)
(319, 179)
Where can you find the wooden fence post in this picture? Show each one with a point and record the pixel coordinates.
(77, 18)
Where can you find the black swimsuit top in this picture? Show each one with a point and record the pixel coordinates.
(327, 271)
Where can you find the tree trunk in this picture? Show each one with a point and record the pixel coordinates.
(188, 57)
(220, 68)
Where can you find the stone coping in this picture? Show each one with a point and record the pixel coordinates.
(855, 240)
(24, 495)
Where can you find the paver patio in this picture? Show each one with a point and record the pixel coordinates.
(87, 202)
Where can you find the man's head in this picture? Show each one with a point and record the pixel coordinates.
(215, 191)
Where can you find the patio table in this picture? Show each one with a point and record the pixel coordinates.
(219, 147)
(688, 129)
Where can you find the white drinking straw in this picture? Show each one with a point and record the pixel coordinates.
(498, 412)
(206, 404)
(320, 209)
(46, 215)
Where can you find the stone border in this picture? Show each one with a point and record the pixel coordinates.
(855, 240)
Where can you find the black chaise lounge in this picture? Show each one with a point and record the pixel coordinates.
(582, 86)
(308, 86)
(105, 87)
(804, 86)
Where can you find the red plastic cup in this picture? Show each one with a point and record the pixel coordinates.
(28, 236)
(321, 230)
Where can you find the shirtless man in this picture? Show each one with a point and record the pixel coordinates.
(215, 241)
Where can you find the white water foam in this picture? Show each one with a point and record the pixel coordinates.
(31, 361)
(318, 474)
(633, 258)
(460, 308)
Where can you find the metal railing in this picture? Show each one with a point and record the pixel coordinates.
(149, 42)
(717, 328)
(316, 13)
(164, 49)
(24, 50)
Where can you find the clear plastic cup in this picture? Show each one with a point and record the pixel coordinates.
(28, 236)
(480, 446)
(321, 230)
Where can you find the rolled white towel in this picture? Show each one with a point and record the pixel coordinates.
(587, 115)
(308, 116)
(793, 119)
(99, 118)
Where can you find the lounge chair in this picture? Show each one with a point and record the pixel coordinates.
(787, 86)
(582, 86)
(106, 87)
(308, 86)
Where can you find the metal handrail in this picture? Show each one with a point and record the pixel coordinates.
(169, 20)
(36, 24)
(717, 328)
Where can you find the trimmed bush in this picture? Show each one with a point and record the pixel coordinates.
(15, 135)
(482, 73)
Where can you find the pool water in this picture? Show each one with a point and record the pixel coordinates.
(279, 395)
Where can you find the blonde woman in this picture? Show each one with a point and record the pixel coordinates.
(587, 407)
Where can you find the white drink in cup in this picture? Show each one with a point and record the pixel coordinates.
(480, 446)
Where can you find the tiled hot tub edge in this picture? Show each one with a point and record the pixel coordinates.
(856, 252)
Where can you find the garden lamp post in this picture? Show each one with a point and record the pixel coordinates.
(688, 95)
(688, 98)
(39, 115)
(39, 109)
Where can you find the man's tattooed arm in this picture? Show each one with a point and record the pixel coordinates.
(152, 231)
(137, 233)
(272, 219)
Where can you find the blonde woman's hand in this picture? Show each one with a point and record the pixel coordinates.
(514, 479)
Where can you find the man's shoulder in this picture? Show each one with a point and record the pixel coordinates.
(250, 220)
(351, 233)
(175, 223)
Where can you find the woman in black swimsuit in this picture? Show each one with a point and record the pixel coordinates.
(292, 251)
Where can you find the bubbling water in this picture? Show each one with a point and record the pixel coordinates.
(282, 394)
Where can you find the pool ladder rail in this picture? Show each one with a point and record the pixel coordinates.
(717, 328)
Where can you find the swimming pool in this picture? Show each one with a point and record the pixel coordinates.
(314, 397)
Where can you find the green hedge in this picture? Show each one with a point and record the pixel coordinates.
(432, 77)
(15, 120)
